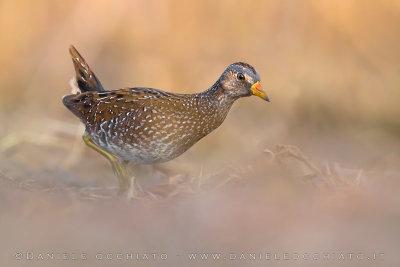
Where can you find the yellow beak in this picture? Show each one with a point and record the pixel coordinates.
(258, 91)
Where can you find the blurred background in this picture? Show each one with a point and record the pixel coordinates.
(331, 69)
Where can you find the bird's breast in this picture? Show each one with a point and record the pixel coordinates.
(155, 133)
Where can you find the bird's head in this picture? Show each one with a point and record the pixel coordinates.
(240, 80)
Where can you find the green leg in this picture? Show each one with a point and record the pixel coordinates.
(127, 183)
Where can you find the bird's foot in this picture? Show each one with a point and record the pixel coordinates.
(131, 189)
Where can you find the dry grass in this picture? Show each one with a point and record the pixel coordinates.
(279, 201)
(328, 176)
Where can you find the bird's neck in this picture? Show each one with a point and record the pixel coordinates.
(215, 94)
(215, 103)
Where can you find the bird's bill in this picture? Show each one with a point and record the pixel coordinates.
(258, 91)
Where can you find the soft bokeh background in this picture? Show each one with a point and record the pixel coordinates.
(331, 69)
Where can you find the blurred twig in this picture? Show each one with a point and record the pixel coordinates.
(331, 176)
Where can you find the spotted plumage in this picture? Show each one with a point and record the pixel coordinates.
(146, 125)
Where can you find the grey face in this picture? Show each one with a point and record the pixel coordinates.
(238, 78)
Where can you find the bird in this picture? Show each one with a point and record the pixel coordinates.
(147, 126)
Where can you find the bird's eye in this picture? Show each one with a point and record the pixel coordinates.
(240, 76)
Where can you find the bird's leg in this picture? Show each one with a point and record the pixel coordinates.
(127, 183)
(129, 186)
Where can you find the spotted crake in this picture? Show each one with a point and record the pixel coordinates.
(146, 125)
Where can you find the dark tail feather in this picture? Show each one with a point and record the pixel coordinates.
(85, 77)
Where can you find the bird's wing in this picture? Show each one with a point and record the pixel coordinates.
(97, 107)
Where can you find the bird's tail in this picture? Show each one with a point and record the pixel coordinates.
(85, 77)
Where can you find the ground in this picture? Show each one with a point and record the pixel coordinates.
(60, 197)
